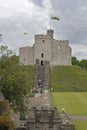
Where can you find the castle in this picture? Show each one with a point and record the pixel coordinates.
(46, 49)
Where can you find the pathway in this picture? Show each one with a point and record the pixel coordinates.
(40, 100)
(78, 117)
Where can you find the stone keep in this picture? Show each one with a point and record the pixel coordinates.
(46, 48)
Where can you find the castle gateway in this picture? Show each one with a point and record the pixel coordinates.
(46, 48)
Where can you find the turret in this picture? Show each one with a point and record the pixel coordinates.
(50, 33)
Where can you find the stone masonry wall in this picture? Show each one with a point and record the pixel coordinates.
(26, 56)
(43, 46)
(61, 53)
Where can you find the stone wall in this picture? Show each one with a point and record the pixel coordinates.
(26, 55)
(61, 53)
(48, 119)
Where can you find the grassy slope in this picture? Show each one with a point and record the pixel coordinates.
(68, 79)
(74, 103)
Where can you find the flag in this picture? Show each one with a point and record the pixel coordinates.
(55, 18)
(25, 33)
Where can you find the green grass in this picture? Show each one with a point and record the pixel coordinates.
(81, 125)
(68, 79)
(74, 103)
(69, 85)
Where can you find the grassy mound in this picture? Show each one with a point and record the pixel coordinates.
(68, 79)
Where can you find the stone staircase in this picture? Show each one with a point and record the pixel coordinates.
(47, 75)
(41, 114)
(42, 73)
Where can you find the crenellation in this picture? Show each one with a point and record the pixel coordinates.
(38, 37)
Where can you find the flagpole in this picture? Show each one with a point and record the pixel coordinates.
(53, 18)
(50, 24)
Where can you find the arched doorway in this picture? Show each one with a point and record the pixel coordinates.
(42, 62)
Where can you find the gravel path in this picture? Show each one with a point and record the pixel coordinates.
(78, 117)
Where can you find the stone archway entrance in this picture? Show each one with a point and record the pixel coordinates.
(42, 62)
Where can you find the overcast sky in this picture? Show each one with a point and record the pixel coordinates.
(33, 16)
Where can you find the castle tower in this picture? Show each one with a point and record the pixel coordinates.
(46, 48)
(43, 47)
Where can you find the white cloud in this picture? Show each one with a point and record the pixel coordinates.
(80, 51)
(33, 16)
(47, 4)
(12, 8)
(19, 16)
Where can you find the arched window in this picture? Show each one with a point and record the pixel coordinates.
(43, 41)
(42, 54)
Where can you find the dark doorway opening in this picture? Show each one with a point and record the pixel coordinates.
(41, 62)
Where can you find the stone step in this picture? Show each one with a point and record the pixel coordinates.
(42, 72)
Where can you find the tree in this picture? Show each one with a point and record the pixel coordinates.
(4, 51)
(16, 81)
(83, 64)
(75, 61)
(5, 121)
(13, 81)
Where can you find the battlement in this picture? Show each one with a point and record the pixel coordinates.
(25, 47)
(49, 35)
(61, 42)
(43, 37)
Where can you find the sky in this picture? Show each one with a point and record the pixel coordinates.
(34, 17)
